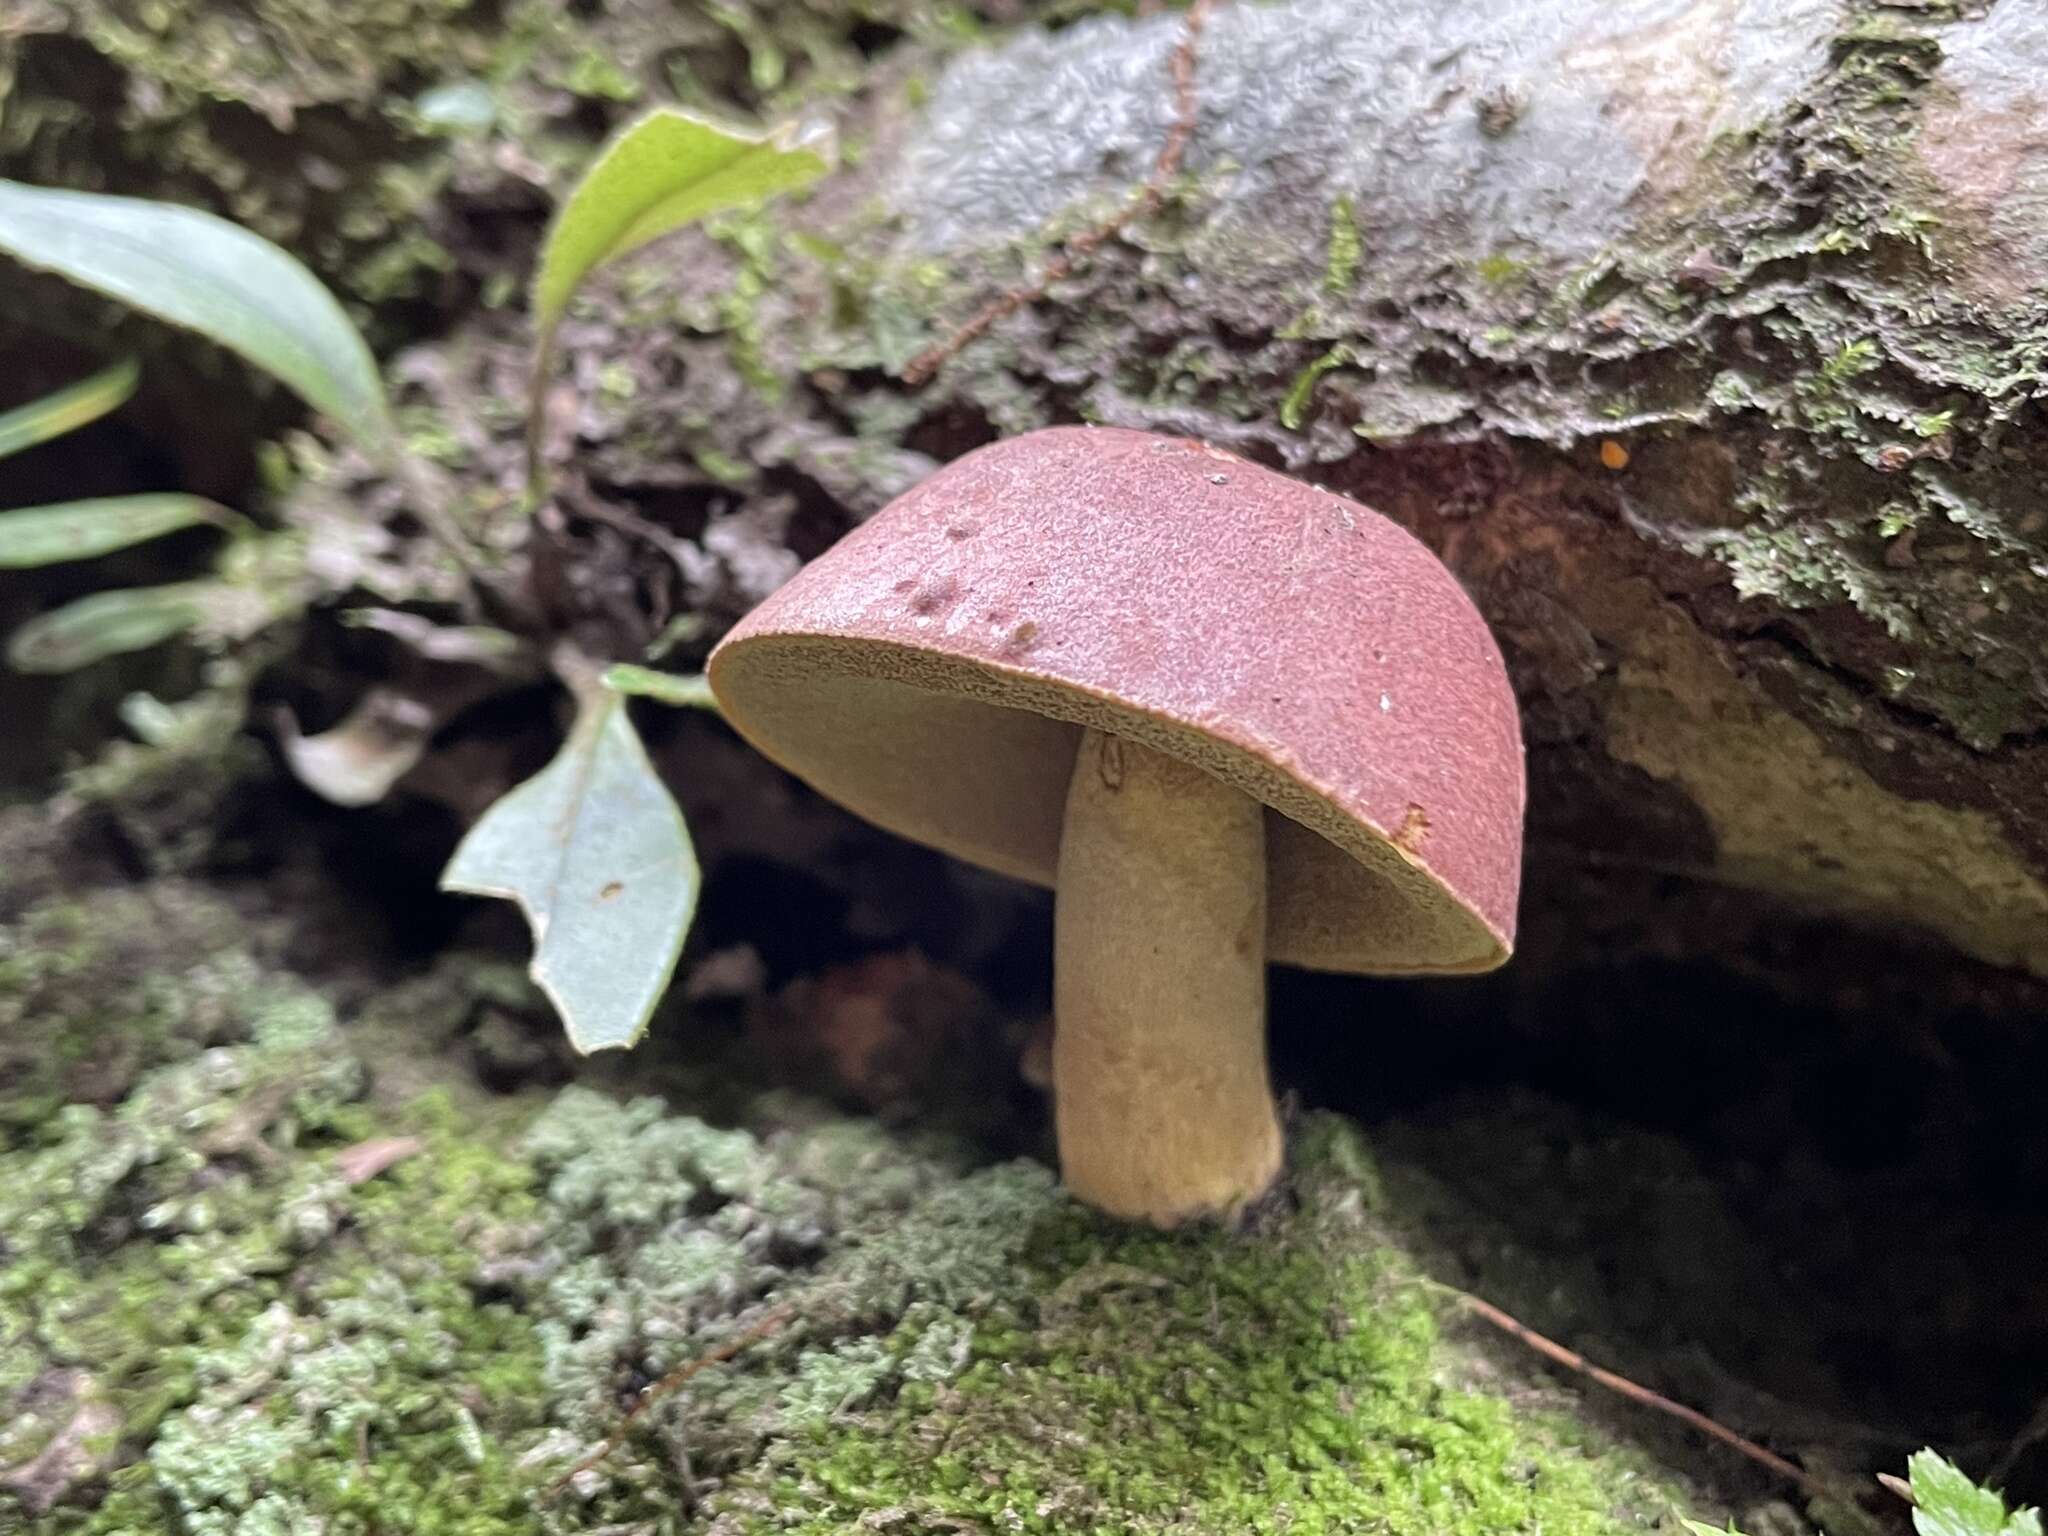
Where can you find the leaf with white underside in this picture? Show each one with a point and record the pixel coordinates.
(356, 761)
(108, 624)
(667, 170)
(83, 530)
(209, 276)
(68, 409)
(595, 852)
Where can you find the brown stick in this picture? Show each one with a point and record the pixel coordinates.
(1572, 1360)
(673, 1381)
(919, 370)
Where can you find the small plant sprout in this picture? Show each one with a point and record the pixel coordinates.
(1230, 717)
(593, 847)
(664, 172)
(1945, 1500)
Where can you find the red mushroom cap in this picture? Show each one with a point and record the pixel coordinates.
(933, 670)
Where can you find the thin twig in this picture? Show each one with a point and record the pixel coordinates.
(1186, 106)
(1572, 1360)
(673, 1381)
(537, 419)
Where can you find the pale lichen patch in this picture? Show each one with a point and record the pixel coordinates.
(1790, 816)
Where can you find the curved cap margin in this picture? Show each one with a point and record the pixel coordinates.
(933, 670)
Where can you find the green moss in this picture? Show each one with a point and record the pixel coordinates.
(95, 993)
(980, 1350)
(1294, 404)
(350, 1375)
(273, 1346)
(1128, 1382)
(1346, 247)
(1499, 270)
(192, 1260)
(340, 130)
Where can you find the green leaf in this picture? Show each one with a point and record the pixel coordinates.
(1701, 1528)
(69, 408)
(664, 171)
(81, 530)
(1947, 1503)
(596, 854)
(107, 624)
(209, 276)
(667, 170)
(692, 692)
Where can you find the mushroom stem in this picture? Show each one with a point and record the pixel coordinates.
(1159, 989)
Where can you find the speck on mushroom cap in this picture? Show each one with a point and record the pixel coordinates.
(933, 671)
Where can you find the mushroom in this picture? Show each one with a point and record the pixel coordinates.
(1229, 717)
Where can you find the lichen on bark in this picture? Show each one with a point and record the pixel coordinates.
(1663, 322)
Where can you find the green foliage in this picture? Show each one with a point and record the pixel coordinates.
(693, 692)
(209, 276)
(667, 170)
(67, 409)
(81, 530)
(108, 624)
(593, 848)
(228, 285)
(1947, 1503)
(597, 856)
(663, 172)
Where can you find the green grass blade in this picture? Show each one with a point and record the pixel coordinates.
(209, 276)
(107, 624)
(83, 530)
(69, 408)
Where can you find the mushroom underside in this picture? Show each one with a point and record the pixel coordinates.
(976, 759)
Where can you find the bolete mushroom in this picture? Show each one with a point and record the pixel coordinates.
(1229, 717)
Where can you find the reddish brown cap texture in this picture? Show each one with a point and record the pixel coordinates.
(932, 672)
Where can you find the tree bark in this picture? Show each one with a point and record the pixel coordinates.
(1698, 336)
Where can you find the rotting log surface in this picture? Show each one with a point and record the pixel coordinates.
(1699, 336)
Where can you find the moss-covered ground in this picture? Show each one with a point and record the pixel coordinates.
(259, 1275)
